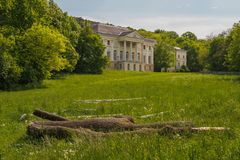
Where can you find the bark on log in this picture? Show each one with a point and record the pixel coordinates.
(39, 131)
(61, 127)
(111, 124)
(53, 117)
(48, 116)
(60, 132)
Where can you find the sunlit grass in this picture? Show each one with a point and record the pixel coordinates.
(207, 100)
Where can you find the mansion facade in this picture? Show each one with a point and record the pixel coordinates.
(126, 49)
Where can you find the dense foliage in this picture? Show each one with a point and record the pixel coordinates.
(196, 49)
(163, 57)
(37, 39)
(10, 71)
(42, 50)
(224, 51)
(217, 53)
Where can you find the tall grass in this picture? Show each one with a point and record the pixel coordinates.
(207, 100)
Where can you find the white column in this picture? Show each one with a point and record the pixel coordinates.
(125, 50)
(152, 57)
(111, 49)
(131, 50)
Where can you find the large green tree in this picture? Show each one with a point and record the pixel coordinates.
(65, 24)
(189, 35)
(10, 71)
(91, 52)
(23, 14)
(217, 53)
(163, 57)
(233, 40)
(42, 50)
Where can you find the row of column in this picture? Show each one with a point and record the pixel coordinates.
(140, 58)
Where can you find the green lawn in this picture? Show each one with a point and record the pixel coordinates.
(207, 100)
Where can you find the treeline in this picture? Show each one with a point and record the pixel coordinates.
(216, 53)
(38, 40)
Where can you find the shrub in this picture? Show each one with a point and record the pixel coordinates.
(184, 69)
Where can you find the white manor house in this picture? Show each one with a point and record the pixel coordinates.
(128, 50)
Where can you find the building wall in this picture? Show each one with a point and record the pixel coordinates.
(181, 58)
(139, 55)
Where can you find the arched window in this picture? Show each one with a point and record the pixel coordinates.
(134, 67)
(120, 66)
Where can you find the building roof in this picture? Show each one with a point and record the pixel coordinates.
(115, 31)
(177, 48)
(110, 29)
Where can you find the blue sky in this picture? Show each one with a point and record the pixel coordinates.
(203, 17)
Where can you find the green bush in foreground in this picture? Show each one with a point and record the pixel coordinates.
(43, 50)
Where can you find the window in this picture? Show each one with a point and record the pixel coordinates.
(115, 55)
(120, 66)
(129, 67)
(127, 56)
(121, 55)
(144, 59)
(178, 56)
(183, 56)
(140, 68)
(144, 46)
(150, 48)
(179, 64)
(108, 42)
(149, 59)
(133, 57)
(138, 57)
(134, 67)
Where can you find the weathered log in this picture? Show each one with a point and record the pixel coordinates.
(48, 116)
(39, 131)
(53, 117)
(111, 124)
(61, 127)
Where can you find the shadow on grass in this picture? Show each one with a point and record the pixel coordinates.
(222, 73)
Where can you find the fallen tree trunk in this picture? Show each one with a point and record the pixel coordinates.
(61, 127)
(111, 124)
(38, 131)
(48, 116)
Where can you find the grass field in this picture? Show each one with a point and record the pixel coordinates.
(207, 100)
